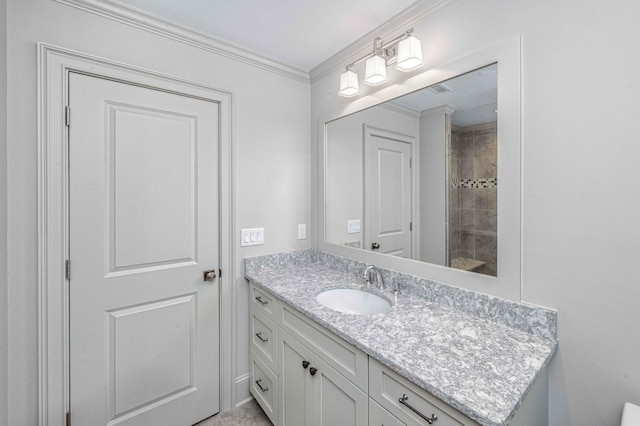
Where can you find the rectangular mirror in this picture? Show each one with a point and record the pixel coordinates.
(339, 196)
(417, 176)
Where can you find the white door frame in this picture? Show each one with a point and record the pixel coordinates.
(54, 64)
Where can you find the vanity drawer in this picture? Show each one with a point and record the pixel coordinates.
(264, 387)
(349, 361)
(264, 337)
(387, 388)
(263, 302)
(378, 416)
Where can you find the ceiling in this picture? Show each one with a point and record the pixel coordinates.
(297, 33)
(473, 95)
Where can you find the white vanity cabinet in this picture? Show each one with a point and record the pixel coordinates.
(378, 416)
(316, 394)
(387, 388)
(323, 379)
(309, 376)
(296, 382)
(263, 354)
(304, 375)
(417, 408)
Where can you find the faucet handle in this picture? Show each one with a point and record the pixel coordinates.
(395, 286)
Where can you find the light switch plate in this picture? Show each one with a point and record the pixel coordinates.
(251, 237)
(353, 226)
(302, 231)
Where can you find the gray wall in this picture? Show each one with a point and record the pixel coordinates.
(271, 158)
(344, 186)
(3, 214)
(580, 172)
(433, 173)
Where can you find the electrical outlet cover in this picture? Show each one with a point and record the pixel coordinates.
(353, 226)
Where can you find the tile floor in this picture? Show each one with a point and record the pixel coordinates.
(250, 414)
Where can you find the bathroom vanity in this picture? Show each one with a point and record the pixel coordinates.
(440, 355)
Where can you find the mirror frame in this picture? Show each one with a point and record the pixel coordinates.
(508, 282)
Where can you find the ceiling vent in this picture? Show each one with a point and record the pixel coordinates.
(439, 88)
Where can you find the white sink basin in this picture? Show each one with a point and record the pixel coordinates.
(353, 301)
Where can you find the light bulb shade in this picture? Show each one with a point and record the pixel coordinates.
(375, 71)
(349, 84)
(409, 54)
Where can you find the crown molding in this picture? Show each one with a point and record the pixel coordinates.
(442, 109)
(388, 30)
(400, 109)
(157, 25)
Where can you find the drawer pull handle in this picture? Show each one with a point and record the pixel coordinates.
(313, 371)
(260, 386)
(264, 302)
(262, 339)
(404, 402)
(305, 364)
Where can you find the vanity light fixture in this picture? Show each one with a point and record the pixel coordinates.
(375, 70)
(349, 84)
(405, 51)
(409, 54)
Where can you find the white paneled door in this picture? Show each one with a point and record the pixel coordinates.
(143, 220)
(388, 192)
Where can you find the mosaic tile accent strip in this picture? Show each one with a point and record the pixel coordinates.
(474, 183)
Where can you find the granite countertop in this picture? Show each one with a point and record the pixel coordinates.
(482, 368)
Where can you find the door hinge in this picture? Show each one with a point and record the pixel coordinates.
(410, 226)
(67, 269)
(67, 115)
(69, 418)
(219, 273)
(410, 162)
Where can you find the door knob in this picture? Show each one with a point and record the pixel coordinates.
(305, 364)
(313, 371)
(375, 246)
(209, 275)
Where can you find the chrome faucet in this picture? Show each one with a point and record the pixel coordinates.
(377, 279)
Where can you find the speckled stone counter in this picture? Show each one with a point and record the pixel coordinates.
(478, 353)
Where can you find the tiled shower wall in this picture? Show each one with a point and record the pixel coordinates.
(473, 195)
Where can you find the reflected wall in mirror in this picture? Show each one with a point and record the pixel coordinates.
(417, 176)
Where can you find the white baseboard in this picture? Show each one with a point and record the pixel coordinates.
(243, 395)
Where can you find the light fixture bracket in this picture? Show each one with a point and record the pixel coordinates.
(388, 51)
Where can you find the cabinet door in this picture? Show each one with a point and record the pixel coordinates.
(349, 361)
(337, 401)
(408, 402)
(378, 416)
(296, 391)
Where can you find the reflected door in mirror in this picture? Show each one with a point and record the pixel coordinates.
(388, 192)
